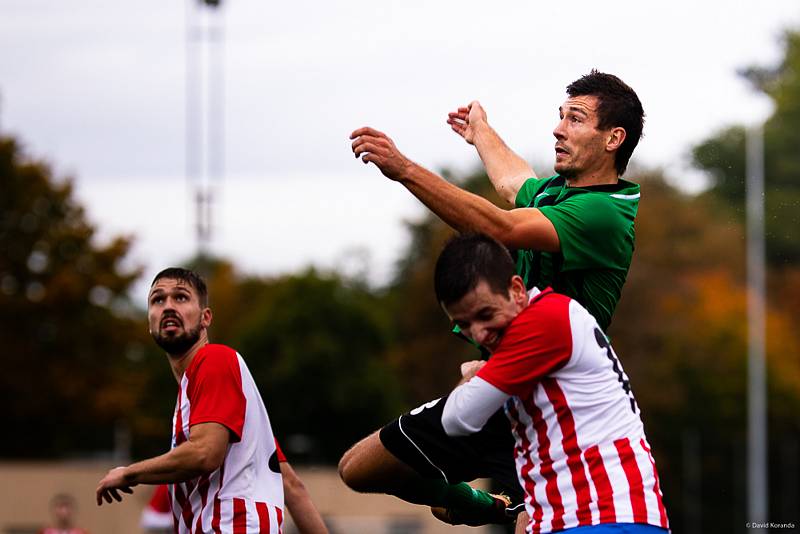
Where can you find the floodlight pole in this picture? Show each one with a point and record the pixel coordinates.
(757, 494)
(205, 141)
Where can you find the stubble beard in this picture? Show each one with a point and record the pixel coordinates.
(566, 171)
(178, 344)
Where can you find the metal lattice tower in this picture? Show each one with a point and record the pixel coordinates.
(205, 112)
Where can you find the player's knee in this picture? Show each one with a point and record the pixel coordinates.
(355, 472)
(348, 472)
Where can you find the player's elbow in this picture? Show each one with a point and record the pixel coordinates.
(500, 225)
(529, 228)
(508, 187)
(209, 459)
(294, 490)
(355, 470)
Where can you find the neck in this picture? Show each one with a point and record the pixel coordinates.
(600, 171)
(593, 178)
(179, 362)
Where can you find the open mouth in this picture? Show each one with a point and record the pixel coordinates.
(170, 324)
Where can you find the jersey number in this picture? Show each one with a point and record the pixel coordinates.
(430, 404)
(626, 385)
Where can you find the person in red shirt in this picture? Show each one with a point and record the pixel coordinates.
(221, 431)
(63, 508)
(157, 515)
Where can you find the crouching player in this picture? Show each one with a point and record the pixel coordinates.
(581, 453)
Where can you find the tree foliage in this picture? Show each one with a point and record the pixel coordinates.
(681, 332)
(316, 344)
(62, 334)
(723, 155)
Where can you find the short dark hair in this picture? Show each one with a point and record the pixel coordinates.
(188, 277)
(63, 498)
(618, 107)
(467, 259)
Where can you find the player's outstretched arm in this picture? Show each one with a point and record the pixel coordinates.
(298, 501)
(203, 452)
(506, 170)
(460, 209)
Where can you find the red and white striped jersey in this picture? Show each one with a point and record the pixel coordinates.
(581, 452)
(243, 496)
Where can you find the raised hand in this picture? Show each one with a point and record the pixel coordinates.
(465, 120)
(376, 147)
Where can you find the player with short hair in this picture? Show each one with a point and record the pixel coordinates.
(218, 469)
(581, 452)
(63, 508)
(573, 231)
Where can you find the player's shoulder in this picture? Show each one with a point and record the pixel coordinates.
(212, 355)
(621, 195)
(534, 187)
(543, 327)
(547, 312)
(600, 207)
(217, 350)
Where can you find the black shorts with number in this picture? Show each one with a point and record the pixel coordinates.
(418, 439)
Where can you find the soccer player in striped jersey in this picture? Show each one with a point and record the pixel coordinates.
(573, 232)
(581, 452)
(222, 469)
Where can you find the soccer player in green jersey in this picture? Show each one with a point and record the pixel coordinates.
(573, 232)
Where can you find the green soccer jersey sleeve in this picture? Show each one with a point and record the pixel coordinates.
(529, 190)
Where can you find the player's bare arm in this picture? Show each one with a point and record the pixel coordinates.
(460, 209)
(298, 501)
(506, 170)
(203, 452)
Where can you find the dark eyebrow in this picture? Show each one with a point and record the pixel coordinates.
(161, 291)
(574, 109)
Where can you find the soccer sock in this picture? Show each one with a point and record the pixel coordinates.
(438, 493)
(464, 496)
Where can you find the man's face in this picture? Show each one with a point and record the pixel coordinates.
(483, 315)
(62, 512)
(174, 315)
(580, 146)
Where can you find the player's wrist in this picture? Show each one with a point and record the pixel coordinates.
(130, 475)
(484, 136)
(411, 172)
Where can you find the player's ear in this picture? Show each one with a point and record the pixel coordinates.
(205, 317)
(518, 291)
(616, 136)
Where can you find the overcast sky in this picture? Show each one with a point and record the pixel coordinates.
(98, 89)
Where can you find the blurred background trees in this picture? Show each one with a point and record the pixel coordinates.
(65, 330)
(335, 357)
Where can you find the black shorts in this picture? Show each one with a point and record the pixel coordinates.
(418, 439)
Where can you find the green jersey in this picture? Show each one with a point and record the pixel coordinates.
(595, 229)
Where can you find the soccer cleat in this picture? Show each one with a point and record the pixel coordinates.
(495, 514)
